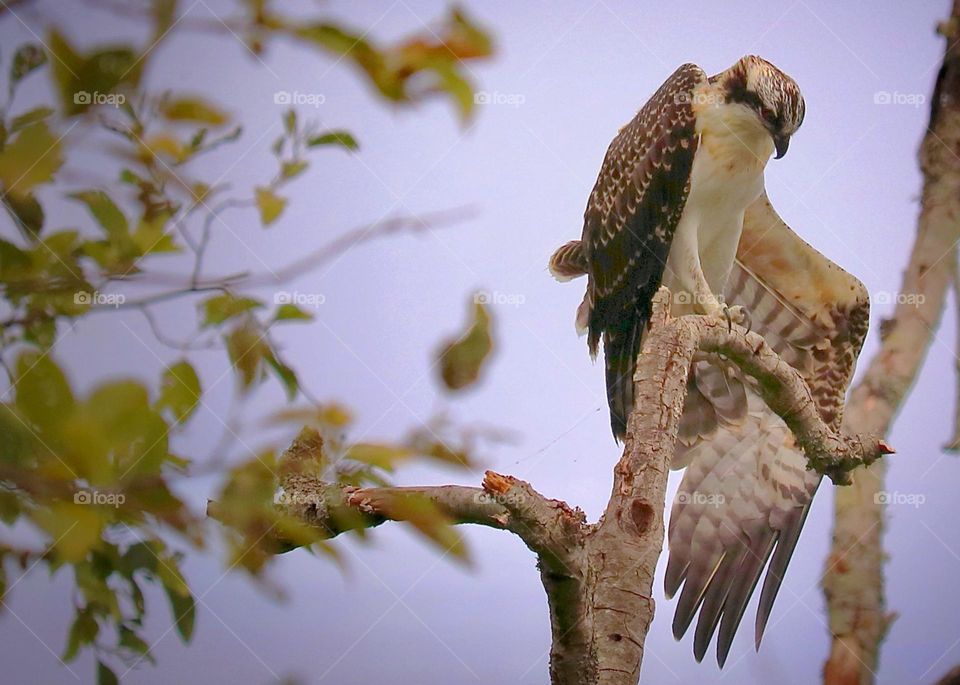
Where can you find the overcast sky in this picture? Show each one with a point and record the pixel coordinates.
(566, 76)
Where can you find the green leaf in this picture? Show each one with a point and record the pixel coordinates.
(151, 236)
(291, 312)
(270, 204)
(26, 59)
(184, 611)
(461, 360)
(29, 118)
(180, 390)
(194, 110)
(103, 209)
(83, 632)
(27, 212)
(290, 121)
(220, 308)
(135, 435)
(286, 375)
(84, 80)
(32, 158)
(130, 640)
(290, 170)
(342, 138)
(105, 676)
(43, 392)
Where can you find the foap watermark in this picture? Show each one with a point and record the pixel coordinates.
(99, 299)
(496, 297)
(484, 97)
(506, 499)
(683, 297)
(298, 298)
(886, 97)
(912, 499)
(83, 97)
(710, 499)
(98, 498)
(887, 297)
(699, 98)
(295, 97)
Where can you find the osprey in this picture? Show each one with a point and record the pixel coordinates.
(680, 201)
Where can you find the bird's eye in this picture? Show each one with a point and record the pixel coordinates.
(768, 114)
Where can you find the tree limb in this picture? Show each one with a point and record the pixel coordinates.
(853, 579)
(598, 578)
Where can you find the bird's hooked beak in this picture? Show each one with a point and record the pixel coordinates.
(781, 143)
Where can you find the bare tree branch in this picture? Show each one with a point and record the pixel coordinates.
(853, 579)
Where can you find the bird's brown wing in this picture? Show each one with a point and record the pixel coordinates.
(746, 491)
(629, 223)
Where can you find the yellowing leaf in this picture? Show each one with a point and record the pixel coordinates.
(461, 360)
(431, 522)
(180, 390)
(165, 145)
(246, 350)
(32, 158)
(291, 312)
(195, 110)
(73, 528)
(220, 308)
(270, 204)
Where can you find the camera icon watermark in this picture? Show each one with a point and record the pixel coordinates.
(98, 299)
(98, 498)
(886, 97)
(83, 97)
(485, 97)
(888, 498)
(295, 97)
(498, 298)
(298, 298)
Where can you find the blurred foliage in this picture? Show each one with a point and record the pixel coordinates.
(94, 474)
(460, 360)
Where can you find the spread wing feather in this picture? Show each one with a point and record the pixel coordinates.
(629, 223)
(748, 478)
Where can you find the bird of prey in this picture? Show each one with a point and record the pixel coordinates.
(680, 201)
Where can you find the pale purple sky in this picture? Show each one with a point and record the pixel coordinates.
(566, 76)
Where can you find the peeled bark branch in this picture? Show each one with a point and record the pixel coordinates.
(853, 579)
(598, 578)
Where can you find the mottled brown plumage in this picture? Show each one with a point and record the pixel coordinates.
(628, 227)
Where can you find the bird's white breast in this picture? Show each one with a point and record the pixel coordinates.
(727, 176)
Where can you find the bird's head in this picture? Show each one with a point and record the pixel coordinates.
(768, 94)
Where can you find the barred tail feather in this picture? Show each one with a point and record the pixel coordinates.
(568, 262)
(620, 349)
